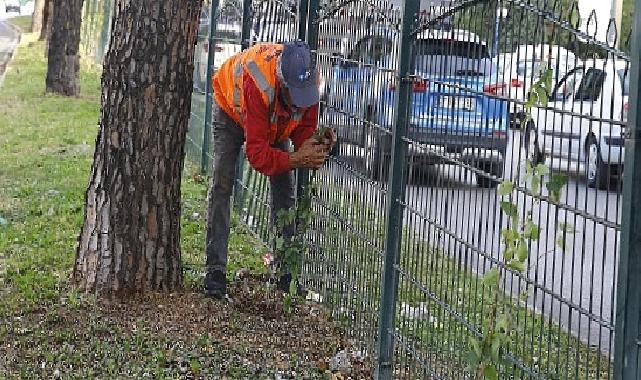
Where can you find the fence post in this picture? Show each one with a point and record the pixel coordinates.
(204, 158)
(105, 33)
(628, 305)
(395, 194)
(245, 37)
(312, 24)
(307, 31)
(247, 24)
(303, 20)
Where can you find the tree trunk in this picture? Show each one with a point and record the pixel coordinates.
(64, 57)
(38, 13)
(130, 239)
(47, 16)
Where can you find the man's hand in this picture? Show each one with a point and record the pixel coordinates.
(310, 155)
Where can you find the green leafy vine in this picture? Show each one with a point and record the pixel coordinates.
(290, 253)
(486, 354)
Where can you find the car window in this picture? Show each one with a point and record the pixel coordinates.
(527, 68)
(380, 48)
(591, 85)
(452, 58)
(360, 51)
(228, 34)
(452, 48)
(624, 76)
(567, 85)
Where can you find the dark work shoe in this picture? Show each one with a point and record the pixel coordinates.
(283, 285)
(215, 284)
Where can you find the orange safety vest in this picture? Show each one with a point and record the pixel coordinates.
(260, 62)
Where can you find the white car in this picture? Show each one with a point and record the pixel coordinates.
(523, 68)
(582, 127)
(12, 6)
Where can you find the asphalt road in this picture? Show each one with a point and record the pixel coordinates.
(573, 287)
(9, 39)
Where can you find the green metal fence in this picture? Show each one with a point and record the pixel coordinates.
(95, 29)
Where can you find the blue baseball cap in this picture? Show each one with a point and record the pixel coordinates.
(298, 73)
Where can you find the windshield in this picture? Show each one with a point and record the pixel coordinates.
(452, 48)
(624, 76)
(443, 57)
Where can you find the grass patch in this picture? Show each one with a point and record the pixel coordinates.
(47, 330)
(22, 22)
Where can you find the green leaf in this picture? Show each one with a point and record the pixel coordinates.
(491, 278)
(509, 235)
(542, 169)
(473, 361)
(535, 184)
(542, 94)
(503, 323)
(495, 348)
(529, 169)
(531, 230)
(522, 252)
(279, 243)
(510, 210)
(490, 373)
(531, 100)
(287, 303)
(508, 254)
(476, 347)
(556, 184)
(506, 188)
(516, 265)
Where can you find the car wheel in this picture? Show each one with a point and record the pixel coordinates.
(531, 145)
(597, 172)
(493, 178)
(375, 167)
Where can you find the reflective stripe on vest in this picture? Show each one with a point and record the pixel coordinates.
(238, 73)
(260, 80)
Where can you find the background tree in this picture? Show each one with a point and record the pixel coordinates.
(47, 16)
(63, 52)
(130, 239)
(38, 16)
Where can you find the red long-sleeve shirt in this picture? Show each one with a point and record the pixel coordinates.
(261, 155)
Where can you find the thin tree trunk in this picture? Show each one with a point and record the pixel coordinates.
(38, 14)
(47, 16)
(130, 239)
(64, 43)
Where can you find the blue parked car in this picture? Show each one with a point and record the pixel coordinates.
(456, 115)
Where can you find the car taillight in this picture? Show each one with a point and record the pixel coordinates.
(494, 89)
(626, 108)
(516, 83)
(392, 85)
(420, 85)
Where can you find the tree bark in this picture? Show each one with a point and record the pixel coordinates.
(64, 56)
(47, 16)
(38, 15)
(130, 239)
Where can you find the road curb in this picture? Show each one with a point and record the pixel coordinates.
(18, 38)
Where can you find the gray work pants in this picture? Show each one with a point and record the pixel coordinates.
(228, 140)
